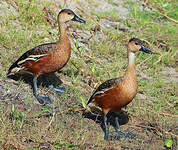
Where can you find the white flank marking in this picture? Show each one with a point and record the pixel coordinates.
(32, 57)
(16, 70)
(102, 91)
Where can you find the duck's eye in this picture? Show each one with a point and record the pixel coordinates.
(69, 13)
(136, 43)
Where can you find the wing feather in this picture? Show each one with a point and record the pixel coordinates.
(33, 54)
(107, 85)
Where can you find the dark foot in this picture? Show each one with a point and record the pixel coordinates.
(44, 100)
(109, 137)
(121, 134)
(58, 90)
(124, 134)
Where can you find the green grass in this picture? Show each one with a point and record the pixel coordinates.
(27, 125)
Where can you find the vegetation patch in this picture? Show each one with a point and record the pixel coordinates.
(99, 53)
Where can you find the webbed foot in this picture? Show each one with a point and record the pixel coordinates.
(58, 90)
(44, 100)
(125, 134)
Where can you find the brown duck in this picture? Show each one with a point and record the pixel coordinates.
(116, 93)
(47, 58)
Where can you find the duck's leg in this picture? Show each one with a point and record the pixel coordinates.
(41, 99)
(58, 90)
(118, 130)
(122, 134)
(106, 136)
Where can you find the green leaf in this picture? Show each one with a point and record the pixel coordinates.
(128, 23)
(20, 114)
(13, 108)
(82, 50)
(93, 68)
(135, 12)
(73, 107)
(70, 145)
(60, 145)
(51, 31)
(76, 44)
(32, 149)
(83, 102)
(45, 110)
(168, 143)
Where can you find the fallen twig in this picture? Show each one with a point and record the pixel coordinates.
(173, 55)
(40, 17)
(148, 127)
(14, 4)
(161, 58)
(52, 119)
(155, 128)
(161, 11)
(141, 63)
(28, 5)
(48, 15)
(165, 114)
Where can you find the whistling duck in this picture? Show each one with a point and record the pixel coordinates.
(116, 93)
(47, 58)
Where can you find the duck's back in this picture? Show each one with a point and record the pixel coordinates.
(45, 58)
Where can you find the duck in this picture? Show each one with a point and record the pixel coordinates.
(116, 93)
(47, 58)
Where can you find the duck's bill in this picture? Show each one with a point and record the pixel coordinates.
(76, 18)
(146, 50)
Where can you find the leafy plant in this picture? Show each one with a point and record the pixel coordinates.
(168, 143)
(63, 145)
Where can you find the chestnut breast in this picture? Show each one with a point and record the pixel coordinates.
(119, 96)
(61, 56)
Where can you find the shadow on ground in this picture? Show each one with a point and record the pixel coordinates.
(123, 118)
(43, 80)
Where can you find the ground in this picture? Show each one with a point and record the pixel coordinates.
(98, 53)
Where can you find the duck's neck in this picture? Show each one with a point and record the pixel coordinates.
(131, 65)
(62, 30)
(131, 57)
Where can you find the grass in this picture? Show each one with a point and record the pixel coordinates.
(152, 114)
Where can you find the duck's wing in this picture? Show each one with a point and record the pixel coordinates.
(33, 54)
(107, 85)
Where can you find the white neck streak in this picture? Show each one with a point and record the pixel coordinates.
(131, 58)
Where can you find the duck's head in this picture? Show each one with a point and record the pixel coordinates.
(66, 15)
(136, 45)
